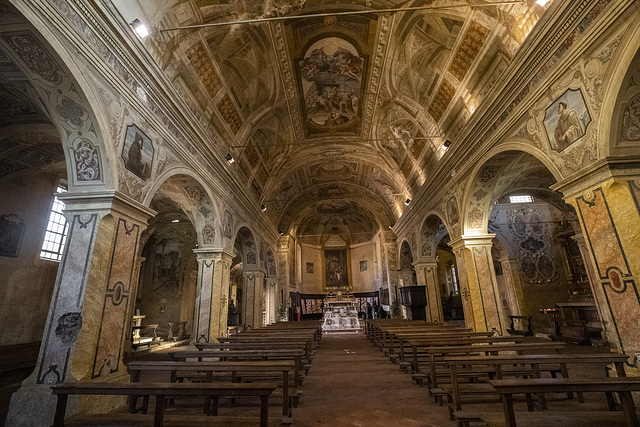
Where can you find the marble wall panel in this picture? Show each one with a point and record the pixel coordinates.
(611, 266)
(488, 289)
(204, 304)
(65, 319)
(117, 298)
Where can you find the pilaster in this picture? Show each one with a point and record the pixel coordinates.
(93, 296)
(607, 200)
(253, 304)
(427, 275)
(212, 299)
(479, 288)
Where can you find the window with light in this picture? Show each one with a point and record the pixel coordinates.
(56, 234)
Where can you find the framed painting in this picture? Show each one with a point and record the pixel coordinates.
(137, 152)
(11, 232)
(566, 119)
(336, 268)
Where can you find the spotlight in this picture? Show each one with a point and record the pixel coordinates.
(140, 29)
(263, 208)
(446, 144)
(390, 227)
(280, 232)
(176, 220)
(407, 202)
(229, 158)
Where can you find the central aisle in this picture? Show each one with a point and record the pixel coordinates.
(351, 383)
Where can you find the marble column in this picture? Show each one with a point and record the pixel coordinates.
(513, 285)
(607, 201)
(85, 332)
(599, 297)
(479, 290)
(253, 300)
(212, 299)
(270, 299)
(427, 275)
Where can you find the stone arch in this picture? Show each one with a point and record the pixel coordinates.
(494, 173)
(270, 263)
(247, 245)
(432, 229)
(405, 255)
(71, 103)
(187, 189)
(618, 97)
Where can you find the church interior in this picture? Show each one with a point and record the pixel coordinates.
(199, 169)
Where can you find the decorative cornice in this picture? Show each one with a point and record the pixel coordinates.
(597, 173)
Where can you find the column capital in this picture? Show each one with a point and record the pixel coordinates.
(610, 168)
(425, 264)
(213, 254)
(253, 271)
(468, 240)
(105, 202)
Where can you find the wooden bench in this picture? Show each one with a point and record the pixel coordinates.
(520, 331)
(497, 366)
(145, 340)
(161, 391)
(283, 367)
(623, 386)
(180, 331)
(438, 353)
(248, 355)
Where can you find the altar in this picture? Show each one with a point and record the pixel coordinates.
(340, 316)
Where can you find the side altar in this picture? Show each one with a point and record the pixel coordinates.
(340, 315)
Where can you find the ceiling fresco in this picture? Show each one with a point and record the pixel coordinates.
(343, 99)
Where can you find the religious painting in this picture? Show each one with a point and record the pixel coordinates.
(11, 232)
(452, 210)
(331, 77)
(137, 152)
(310, 268)
(566, 119)
(363, 265)
(336, 268)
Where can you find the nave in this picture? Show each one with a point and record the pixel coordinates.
(355, 379)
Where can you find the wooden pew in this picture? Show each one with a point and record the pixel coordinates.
(623, 386)
(500, 365)
(247, 355)
(438, 353)
(284, 367)
(161, 391)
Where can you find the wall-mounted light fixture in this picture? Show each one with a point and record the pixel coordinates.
(446, 144)
(141, 30)
(229, 158)
(407, 202)
(280, 232)
(263, 208)
(176, 220)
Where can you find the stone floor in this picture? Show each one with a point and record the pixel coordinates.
(351, 383)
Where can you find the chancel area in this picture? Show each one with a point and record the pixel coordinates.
(331, 192)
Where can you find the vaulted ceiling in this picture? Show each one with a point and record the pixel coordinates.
(337, 117)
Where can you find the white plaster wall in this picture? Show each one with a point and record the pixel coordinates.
(363, 281)
(312, 282)
(26, 281)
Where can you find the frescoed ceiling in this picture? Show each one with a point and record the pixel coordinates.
(28, 139)
(336, 105)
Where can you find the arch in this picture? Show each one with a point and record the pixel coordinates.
(490, 176)
(611, 115)
(405, 255)
(188, 190)
(247, 245)
(70, 99)
(430, 235)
